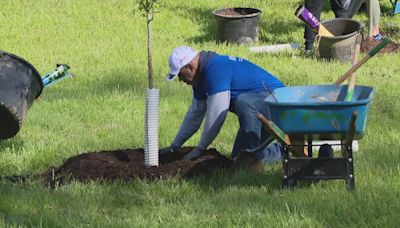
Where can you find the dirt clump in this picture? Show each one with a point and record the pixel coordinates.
(128, 164)
(235, 12)
(367, 45)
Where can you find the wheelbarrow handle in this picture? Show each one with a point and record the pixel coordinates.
(274, 130)
(355, 67)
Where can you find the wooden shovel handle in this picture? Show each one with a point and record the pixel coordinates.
(355, 67)
(352, 80)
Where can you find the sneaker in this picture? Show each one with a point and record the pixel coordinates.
(249, 161)
(378, 37)
(308, 52)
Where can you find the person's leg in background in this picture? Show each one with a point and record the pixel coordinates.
(315, 7)
(353, 7)
(337, 7)
(374, 14)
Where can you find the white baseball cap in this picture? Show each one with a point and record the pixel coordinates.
(179, 58)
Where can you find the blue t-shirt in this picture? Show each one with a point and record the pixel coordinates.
(238, 75)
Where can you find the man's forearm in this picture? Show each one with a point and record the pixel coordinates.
(191, 123)
(217, 109)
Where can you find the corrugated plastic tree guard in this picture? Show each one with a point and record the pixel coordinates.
(152, 95)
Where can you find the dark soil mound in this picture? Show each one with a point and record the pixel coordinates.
(368, 45)
(128, 164)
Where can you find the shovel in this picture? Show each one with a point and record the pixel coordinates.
(352, 80)
(355, 67)
(307, 17)
(61, 72)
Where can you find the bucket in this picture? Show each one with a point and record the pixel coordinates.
(237, 25)
(342, 45)
(20, 84)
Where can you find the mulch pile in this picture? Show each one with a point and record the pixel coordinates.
(368, 45)
(393, 47)
(128, 164)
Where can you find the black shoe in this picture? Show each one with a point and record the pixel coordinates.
(325, 151)
(308, 52)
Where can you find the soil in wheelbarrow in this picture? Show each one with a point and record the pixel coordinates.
(128, 164)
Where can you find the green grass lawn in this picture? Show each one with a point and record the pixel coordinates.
(104, 42)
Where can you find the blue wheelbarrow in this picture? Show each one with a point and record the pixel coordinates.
(301, 114)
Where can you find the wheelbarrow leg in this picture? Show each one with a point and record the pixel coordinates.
(287, 182)
(309, 147)
(283, 138)
(350, 179)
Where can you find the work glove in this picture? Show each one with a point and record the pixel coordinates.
(167, 150)
(195, 153)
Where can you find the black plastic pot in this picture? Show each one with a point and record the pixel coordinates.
(237, 25)
(20, 85)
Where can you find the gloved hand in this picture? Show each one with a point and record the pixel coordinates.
(167, 150)
(195, 153)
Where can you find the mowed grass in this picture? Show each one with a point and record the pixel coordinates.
(104, 42)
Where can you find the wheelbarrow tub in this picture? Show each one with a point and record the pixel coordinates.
(319, 111)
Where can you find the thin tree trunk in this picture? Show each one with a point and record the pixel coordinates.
(149, 50)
